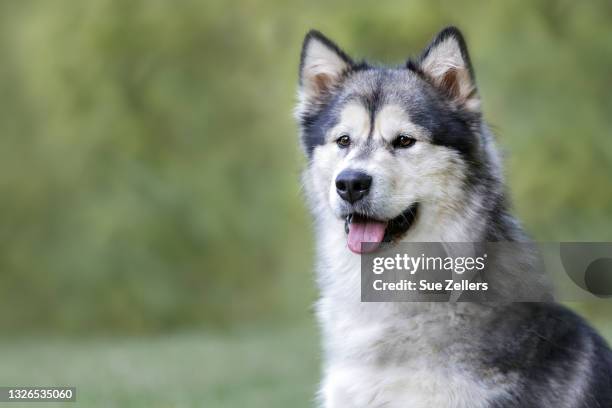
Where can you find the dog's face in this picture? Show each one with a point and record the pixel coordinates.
(385, 143)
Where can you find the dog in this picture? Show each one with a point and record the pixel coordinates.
(402, 154)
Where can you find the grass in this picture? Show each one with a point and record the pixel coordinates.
(245, 368)
(277, 368)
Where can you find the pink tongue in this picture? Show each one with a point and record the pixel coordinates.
(362, 231)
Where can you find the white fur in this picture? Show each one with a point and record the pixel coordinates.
(393, 355)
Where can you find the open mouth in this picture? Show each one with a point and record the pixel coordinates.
(366, 234)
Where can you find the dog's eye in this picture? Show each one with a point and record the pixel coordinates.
(403, 142)
(343, 141)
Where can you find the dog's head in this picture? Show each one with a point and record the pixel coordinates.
(385, 144)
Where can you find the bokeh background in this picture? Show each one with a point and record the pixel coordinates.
(155, 249)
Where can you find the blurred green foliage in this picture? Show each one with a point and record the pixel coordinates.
(149, 165)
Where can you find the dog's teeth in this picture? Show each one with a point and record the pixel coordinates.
(347, 222)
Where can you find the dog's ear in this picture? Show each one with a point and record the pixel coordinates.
(446, 63)
(323, 66)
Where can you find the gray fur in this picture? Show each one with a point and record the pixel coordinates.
(424, 354)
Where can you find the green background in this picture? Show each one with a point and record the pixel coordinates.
(153, 230)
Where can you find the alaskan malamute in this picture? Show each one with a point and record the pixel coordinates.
(403, 154)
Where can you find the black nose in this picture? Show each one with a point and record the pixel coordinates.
(353, 185)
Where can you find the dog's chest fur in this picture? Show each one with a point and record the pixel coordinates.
(408, 355)
(396, 354)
